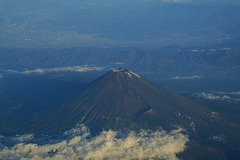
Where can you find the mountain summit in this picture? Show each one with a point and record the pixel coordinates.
(122, 99)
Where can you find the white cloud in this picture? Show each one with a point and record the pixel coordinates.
(208, 96)
(226, 97)
(190, 77)
(219, 138)
(76, 144)
(235, 93)
(218, 97)
(230, 93)
(1, 76)
(225, 49)
(76, 69)
(60, 69)
(39, 70)
(194, 50)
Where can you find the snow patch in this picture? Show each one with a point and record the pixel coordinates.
(129, 75)
(119, 70)
(135, 74)
(115, 70)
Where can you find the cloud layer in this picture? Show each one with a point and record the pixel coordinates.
(220, 96)
(60, 69)
(231, 93)
(77, 144)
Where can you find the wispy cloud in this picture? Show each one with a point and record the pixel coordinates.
(189, 77)
(219, 138)
(235, 93)
(60, 69)
(39, 70)
(208, 96)
(213, 50)
(225, 49)
(231, 93)
(77, 144)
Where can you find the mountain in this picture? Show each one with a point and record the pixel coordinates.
(121, 99)
(212, 61)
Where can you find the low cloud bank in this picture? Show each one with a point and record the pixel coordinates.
(220, 96)
(77, 144)
(208, 96)
(60, 69)
(190, 77)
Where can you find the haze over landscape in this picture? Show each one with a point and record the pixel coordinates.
(154, 23)
(111, 79)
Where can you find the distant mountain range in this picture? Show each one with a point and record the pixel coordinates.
(165, 61)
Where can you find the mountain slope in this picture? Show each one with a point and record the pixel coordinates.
(122, 99)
